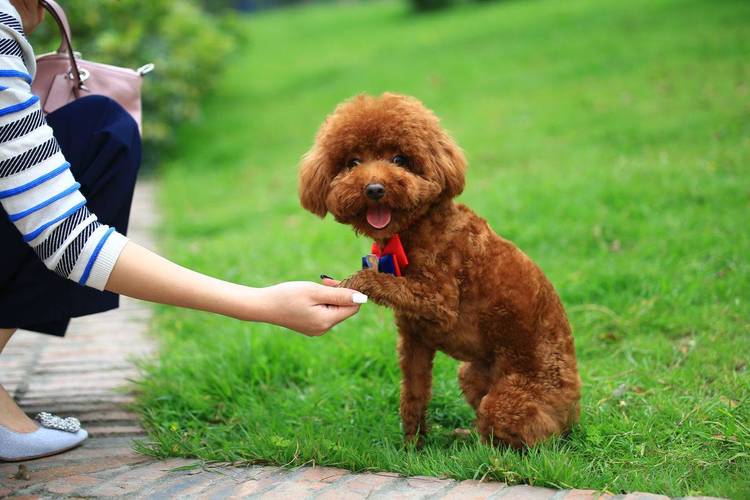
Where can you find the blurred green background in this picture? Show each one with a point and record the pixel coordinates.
(609, 139)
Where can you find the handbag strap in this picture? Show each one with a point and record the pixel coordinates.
(66, 47)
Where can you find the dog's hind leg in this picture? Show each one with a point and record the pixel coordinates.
(475, 382)
(517, 413)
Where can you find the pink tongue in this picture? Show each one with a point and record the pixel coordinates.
(379, 216)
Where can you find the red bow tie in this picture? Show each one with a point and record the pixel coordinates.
(394, 248)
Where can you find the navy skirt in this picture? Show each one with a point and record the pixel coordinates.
(101, 142)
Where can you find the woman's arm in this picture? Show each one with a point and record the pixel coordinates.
(40, 194)
(38, 191)
(302, 306)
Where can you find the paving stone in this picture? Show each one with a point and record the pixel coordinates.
(306, 482)
(135, 478)
(115, 456)
(417, 487)
(77, 398)
(39, 475)
(80, 408)
(106, 380)
(321, 474)
(241, 490)
(111, 414)
(54, 396)
(6, 470)
(250, 481)
(582, 495)
(357, 486)
(644, 496)
(698, 498)
(87, 453)
(475, 490)
(133, 429)
(185, 484)
(525, 492)
(70, 484)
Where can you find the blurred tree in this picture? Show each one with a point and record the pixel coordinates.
(427, 5)
(187, 44)
(214, 6)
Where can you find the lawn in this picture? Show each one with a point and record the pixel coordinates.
(610, 140)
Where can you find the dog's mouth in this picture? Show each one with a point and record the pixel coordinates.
(378, 216)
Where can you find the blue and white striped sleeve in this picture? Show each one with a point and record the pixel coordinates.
(37, 189)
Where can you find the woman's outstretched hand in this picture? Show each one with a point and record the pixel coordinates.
(307, 307)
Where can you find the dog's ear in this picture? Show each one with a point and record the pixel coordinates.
(452, 165)
(313, 182)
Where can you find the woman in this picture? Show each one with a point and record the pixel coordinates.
(66, 185)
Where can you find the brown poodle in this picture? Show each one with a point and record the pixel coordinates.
(385, 166)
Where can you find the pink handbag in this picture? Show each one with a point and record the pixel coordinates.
(62, 76)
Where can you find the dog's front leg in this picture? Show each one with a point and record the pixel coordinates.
(415, 359)
(434, 300)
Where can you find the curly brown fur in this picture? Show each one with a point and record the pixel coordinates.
(466, 292)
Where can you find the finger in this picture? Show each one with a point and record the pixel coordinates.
(340, 296)
(328, 281)
(340, 313)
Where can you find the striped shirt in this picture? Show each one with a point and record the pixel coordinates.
(37, 189)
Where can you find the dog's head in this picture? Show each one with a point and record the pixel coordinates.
(379, 164)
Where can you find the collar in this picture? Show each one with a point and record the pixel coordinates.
(392, 257)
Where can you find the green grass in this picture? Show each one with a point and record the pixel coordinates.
(609, 139)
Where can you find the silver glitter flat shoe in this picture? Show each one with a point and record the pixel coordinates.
(54, 435)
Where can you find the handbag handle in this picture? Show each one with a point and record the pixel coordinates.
(66, 47)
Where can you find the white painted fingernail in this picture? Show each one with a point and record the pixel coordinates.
(359, 298)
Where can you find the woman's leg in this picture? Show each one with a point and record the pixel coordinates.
(5, 335)
(20, 437)
(102, 144)
(11, 416)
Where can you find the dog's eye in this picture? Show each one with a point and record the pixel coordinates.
(353, 162)
(400, 160)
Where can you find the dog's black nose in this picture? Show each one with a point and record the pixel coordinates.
(375, 191)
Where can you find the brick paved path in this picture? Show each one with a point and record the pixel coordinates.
(83, 376)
